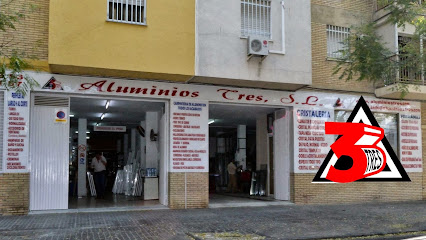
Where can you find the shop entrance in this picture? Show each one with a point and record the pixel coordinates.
(257, 140)
(123, 147)
(129, 136)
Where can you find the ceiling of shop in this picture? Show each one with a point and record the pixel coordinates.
(119, 112)
(234, 115)
(130, 113)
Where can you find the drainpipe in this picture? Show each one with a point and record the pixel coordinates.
(282, 52)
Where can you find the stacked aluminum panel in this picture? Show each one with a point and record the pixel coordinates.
(91, 184)
(119, 183)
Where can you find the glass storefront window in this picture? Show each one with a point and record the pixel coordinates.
(387, 121)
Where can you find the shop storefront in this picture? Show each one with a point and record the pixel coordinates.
(182, 136)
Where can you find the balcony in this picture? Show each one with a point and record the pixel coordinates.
(406, 79)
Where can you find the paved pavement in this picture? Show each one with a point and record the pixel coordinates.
(271, 222)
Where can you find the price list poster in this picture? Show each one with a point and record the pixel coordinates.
(16, 129)
(189, 136)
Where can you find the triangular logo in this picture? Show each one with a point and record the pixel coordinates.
(53, 84)
(393, 171)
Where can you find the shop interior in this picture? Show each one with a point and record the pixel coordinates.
(126, 134)
(244, 134)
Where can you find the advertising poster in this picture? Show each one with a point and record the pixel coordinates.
(189, 136)
(311, 143)
(16, 129)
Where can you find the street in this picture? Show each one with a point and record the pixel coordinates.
(377, 220)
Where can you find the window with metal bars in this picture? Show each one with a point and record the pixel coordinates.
(256, 18)
(127, 11)
(409, 71)
(335, 40)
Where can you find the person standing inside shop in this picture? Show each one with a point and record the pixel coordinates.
(99, 165)
(232, 170)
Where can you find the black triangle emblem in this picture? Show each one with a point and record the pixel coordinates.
(393, 171)
(53, 84)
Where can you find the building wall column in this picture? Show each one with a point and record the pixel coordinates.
(82, 166)
(188, 190)
(423, 109)
(14, 193)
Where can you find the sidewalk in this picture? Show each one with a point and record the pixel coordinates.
(271, 222)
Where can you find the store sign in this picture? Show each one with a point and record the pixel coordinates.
(16, 132)
(410, 138)
(409, 111)
(409, 141)
(189, 136)
(361, 152)
(61, 115)
(310, 141)
(164, 90)
(109, 128)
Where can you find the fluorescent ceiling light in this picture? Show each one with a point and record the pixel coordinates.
(102, 116)
(107, 105)
(87, 132)
(76, 131)
(211, 121)
(87, 137)
(71, 115)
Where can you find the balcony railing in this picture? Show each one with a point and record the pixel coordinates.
(404, 71)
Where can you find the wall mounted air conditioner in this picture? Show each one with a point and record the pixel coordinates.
(257, 46)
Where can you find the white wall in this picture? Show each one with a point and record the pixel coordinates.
(261, 142)
(221, 53)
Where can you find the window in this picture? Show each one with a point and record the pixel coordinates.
(387, 121)
(256, 18)
(127, 11)
(409, 71)
(335, 38)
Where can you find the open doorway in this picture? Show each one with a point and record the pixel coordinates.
(244, 135)
(123, 142)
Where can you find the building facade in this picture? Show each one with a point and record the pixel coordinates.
(189, 67)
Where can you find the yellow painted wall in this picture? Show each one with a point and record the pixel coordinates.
(80, 36)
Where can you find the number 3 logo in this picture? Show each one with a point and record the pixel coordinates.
(358, 141)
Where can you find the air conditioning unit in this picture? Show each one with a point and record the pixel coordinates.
(257, 46)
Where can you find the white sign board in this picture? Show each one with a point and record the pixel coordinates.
(17, 111)
(311, 143)
(410, 140)
(189, 138)
(109, 128)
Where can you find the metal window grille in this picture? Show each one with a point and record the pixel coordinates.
(127, 11)
(335, 40)
(256, 18)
